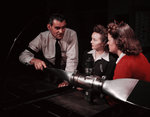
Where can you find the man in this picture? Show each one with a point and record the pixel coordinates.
(45, 42)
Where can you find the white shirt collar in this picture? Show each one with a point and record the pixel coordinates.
(121, 55)
(104, 55)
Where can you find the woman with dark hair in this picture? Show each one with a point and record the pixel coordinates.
(99, 60)
(103, 62)
(131, 62)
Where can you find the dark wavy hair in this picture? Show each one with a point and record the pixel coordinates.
(103, 32)
(57, 16)
(125, 38)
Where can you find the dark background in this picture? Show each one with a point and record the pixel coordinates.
(27, 19)
(23, 20)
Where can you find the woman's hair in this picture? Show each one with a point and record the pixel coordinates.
(125, 38)
(103, 32)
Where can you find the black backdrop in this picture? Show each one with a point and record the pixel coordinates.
(23, 20)
(29, 18)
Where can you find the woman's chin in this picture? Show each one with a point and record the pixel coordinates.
(93, 48)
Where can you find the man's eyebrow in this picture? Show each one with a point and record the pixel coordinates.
(58, 27)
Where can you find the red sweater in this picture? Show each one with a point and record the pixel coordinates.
(136, 67)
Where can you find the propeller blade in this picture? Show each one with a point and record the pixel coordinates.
(132, 91)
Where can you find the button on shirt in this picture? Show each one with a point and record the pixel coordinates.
(46, 42)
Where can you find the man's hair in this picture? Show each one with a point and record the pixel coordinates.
(56, 16)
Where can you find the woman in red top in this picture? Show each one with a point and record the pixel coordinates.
(131, 63)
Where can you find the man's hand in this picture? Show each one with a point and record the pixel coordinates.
(38, 64)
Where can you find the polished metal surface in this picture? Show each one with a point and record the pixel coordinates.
(86, 81)
(119, 88)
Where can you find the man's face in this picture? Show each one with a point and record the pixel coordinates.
(57, 28)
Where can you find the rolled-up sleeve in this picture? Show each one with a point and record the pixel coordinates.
(26, 56)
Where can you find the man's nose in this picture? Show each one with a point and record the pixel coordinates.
(60, 30)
